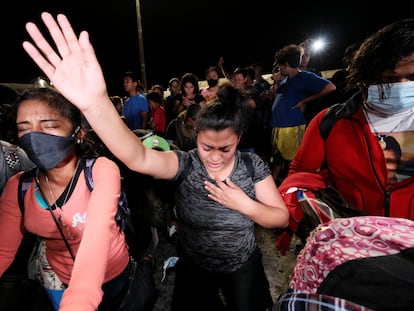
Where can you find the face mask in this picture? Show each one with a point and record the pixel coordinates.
(398, 98)
(45, 150)
(212, 82)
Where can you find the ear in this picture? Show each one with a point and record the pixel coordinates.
(81, 134)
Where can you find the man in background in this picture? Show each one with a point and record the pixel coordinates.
(136, 106)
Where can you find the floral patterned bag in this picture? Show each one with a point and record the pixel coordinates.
(40, 270)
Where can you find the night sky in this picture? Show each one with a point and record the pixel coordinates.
(188, 36)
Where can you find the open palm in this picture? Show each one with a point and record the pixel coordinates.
(73, 69)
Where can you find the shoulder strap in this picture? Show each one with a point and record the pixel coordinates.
(185, 171)
(24, 183)
(89, 162)
(248, 162)
(340, 110)
(123, 211)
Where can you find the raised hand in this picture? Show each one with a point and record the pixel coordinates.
(73, 69)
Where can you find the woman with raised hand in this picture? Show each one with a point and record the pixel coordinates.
(82, 254)
(218, 202)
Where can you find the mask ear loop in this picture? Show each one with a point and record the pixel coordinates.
(77, 129)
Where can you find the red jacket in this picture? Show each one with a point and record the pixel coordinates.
(354, 164)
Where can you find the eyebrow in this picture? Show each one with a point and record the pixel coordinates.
(41, 121)
(219, 148)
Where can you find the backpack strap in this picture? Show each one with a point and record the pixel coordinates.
(248, 162)
(123, 211)
(89, 162)
(337, 111)
(185, 172)
(24, 182)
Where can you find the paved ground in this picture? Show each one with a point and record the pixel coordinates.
(277, 267)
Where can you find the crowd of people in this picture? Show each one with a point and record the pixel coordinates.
(366, 156)
(266, 134)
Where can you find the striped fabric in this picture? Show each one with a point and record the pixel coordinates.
(299, 301)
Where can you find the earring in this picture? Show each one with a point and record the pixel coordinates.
(79, 141)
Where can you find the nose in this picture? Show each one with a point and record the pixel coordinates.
(215, 155)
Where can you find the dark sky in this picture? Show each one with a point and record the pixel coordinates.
(188, 35)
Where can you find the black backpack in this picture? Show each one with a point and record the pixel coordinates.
(337, 111)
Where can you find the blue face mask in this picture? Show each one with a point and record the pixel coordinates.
(399, 97)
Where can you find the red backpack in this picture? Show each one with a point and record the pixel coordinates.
(310, 202)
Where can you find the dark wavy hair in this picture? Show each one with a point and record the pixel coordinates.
(66, 109)
(381, 52)
(191, 78)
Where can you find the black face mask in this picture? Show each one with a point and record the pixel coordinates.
(45, 150)
(212, 82)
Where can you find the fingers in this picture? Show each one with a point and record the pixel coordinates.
(69, 37)
(88, 50)
(41, 43)
(56, 34)
(214, 192)
(63, 36)
(38, 58)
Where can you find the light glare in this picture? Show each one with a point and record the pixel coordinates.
(318, 44)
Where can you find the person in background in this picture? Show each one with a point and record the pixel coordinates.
(312, 108)
(243, 80)
(13, 160)
(213, 79)
(181, 131)
(306, 57)
(224, 72)
(277, 78)
(141, 88)
(136, 107)
(260, 83)
(159, 89)
(258, 87)
(189, 90)
(262, 89)
(157, 116)
(297, 89)
(352, 157)
(118, 103)
(218, 203)
(58, 198)
(174, 86)
(340, 77)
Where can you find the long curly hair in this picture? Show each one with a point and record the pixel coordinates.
(381, 52)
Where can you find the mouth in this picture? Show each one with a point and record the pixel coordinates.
(214, 165)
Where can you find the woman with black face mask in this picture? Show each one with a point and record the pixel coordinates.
(92, 266)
